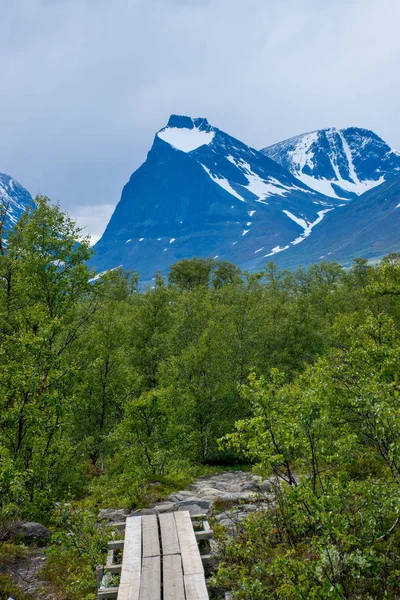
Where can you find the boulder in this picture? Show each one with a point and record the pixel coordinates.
(31, 533)
(265, 486)
(193, 509)
(113, 515)
(143, 511)
(164, 507)
(200, 502)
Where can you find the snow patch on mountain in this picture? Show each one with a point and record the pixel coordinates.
(186, 139)
(306, 225)
(224, 183)
(210, 193)
(14, 198)
(302, 155)
(275, 250)
(340, 163)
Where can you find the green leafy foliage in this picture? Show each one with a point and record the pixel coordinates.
(111, 396)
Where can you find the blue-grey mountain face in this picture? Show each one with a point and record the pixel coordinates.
(367, 227)
(203, 193)
(15, 198)
(342, 163)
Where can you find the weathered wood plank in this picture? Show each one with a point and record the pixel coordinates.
(191, 560)
(195, 587)
(99, 574)
(150, 585)
(107, 593)
(150, 537)
(129, 587)
(169, 535)
(128, 591)
(116, 544)
(110, 558)
(173, 585)
(114, 568)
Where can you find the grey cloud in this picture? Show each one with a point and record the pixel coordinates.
(85, 84)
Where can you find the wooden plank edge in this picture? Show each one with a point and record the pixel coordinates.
(116, 545)
(110, 593)
(99, 575)
(113, 568)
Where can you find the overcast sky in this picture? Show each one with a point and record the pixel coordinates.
(85, 84)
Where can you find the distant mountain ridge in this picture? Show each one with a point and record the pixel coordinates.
(342, 163)
(367, 227)
(14, 197)
(202, 192)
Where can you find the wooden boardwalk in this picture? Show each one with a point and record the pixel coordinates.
(160, 561)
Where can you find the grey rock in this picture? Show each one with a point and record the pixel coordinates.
(265, 486)
(143, 511)
(212, 492)
(165, 507)
(220, 486)
(193, 509)
(250, 486)
(31, 533)
(201, 502)
(114, 515)
(177, 497)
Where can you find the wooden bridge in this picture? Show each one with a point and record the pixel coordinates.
(160, 559)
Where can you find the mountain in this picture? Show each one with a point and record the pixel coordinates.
(14, 197)
(367, 227)
(202, 192)
(341, 163)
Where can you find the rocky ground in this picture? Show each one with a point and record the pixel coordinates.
(228, 497)
(26, 572)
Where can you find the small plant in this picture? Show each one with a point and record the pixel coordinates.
(78, 546)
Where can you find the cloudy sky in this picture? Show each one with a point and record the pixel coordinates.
(85, 84)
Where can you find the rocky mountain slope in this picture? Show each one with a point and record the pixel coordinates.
(342, 163)
(204, 193)
(367, 227)
(14, 198)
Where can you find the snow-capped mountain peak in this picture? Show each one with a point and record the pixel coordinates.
(213, 195)
(187, 134)
(14, 198)
(341, 163)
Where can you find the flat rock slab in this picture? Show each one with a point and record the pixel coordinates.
(113, 515)
(198, 501)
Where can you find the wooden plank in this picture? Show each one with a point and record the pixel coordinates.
(107, 593)
(129, 587)
(114, 568)
(173, 585)
(116, 545)
(110, 558)
(191, 560)
(195, 587)
(150, 537)
(128, 591)
(99, 574)
(206, 526)
(150, 585)
(169, 535)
